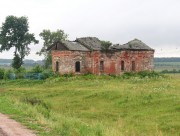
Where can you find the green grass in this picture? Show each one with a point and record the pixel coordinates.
(95, 105)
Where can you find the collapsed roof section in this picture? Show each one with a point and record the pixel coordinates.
(94, 44)
(132, 45)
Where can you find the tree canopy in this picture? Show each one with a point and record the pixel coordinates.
(49, 38)
(105, 45)
(15, 33)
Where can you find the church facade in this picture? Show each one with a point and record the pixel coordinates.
(85, 55)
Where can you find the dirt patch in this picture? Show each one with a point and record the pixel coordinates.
(2, 133)
(9, 127)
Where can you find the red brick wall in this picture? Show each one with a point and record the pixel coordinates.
(90, 61)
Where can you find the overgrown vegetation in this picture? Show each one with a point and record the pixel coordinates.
(37, 72)
(89, 105)
(105, 45)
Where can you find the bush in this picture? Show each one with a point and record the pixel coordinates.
(165, 71)
(20, 72)
(149, 74)
(40, 75)
(128, 75)
(68, 75)
(31, 75)
(88, 76)
(37, 69)
(9, 74)
(38, 72)
(2, 71)
(48, 73)
(142, 74)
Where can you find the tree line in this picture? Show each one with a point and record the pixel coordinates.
(164, 59)
(14, 33)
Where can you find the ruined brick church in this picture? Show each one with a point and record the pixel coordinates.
(85, 55)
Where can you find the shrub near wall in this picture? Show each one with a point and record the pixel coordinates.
(2, 71)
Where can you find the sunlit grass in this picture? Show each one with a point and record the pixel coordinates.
(95, 106)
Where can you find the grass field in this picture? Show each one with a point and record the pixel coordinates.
(95, 105)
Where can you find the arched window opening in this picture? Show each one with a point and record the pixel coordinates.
(101, 66)
(77, 66)
(122, 66)
(57, 66)
(133, 66)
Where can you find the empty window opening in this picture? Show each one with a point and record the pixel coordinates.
(57, 66)
(133, 66)
(101, 66)
(122, 66)
(77, 66)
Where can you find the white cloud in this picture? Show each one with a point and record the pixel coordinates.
(155, 22)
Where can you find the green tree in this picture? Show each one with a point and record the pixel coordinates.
(16, 62)
(15, 33)
(49, 38)
(105, 45)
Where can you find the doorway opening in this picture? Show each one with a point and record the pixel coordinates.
(57, 66)
(122, 66)
(101, 66)
(133, 66)
(77, 66)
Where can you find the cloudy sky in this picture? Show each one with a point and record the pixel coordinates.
(155, 22)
